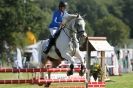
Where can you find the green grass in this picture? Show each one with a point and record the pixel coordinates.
(124, 81)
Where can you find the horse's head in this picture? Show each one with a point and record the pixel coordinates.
(80, 25)
(75, 23)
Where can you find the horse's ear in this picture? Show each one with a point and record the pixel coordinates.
(84, 15)
(78, 15)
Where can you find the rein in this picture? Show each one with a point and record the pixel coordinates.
(68, 35)
(71, 39)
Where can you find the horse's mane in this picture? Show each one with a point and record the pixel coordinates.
(69, 17)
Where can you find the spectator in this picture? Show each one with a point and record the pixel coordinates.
(31, 39)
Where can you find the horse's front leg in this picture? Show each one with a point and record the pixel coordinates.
(70, 72)
(80, 56)
(44, 60)
(68, 57)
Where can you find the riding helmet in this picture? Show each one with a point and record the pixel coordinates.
(63, 4)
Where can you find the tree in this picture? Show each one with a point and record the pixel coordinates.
(92, 10)
(15, 15)
(9, 18)
(89, 30)
(123, 10)
(114, 29)
(89, 8)
(128, 14)
(47, 5)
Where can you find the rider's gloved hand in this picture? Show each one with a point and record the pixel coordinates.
(62, 25)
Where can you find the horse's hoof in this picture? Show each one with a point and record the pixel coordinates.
(70, 72)
(82, 72)
(47, 84)
(95, 76)
(40, 84)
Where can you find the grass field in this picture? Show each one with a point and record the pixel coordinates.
(124, 81)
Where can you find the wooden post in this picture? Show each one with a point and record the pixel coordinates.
(88, 62)
(103, 65)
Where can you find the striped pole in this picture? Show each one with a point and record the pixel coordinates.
(5, 70)
(72, 87)
(60, 80)
(17, 81)
(43, 81)
(37, 81)
(64, 65)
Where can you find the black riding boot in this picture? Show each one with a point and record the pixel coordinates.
(51, 43)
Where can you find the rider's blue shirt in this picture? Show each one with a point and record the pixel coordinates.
(57, 19)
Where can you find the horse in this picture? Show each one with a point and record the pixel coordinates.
(66, 46)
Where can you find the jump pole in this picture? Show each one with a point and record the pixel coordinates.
(43, 81)
(6, 70)
(88, 61)
(93, 47)
(37, 81)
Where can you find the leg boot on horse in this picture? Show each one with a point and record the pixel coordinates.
(70, 72)
(82, 70)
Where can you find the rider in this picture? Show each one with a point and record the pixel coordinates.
(56, 24)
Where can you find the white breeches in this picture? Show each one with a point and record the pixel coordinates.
(53, 30)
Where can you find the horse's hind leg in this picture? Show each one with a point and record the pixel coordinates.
(43, 65)
(54, 64)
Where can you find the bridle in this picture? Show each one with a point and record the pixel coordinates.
(71, 30)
